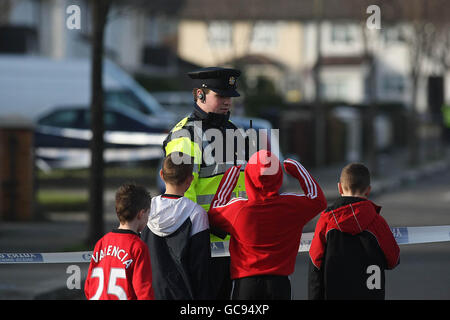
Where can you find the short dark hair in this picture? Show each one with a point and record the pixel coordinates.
(355, 177)
(177, 167)
(130, 199)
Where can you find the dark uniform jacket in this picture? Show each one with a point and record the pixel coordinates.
(189, 137)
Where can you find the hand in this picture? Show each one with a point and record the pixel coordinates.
(308, 184)
(292, 167)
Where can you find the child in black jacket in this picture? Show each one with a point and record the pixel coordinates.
(352, 244)
(177, 235)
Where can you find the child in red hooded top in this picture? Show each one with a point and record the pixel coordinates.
(352, 245)
(266, 228)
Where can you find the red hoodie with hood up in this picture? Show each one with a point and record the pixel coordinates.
(266, 228)
(351, 237)
(353, 216)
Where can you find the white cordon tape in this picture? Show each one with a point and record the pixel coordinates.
(403, 235)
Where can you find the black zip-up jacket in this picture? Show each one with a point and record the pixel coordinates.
(177, 236)
(351, 248)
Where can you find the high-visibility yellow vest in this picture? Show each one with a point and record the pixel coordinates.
(188, 136)
(446, 115)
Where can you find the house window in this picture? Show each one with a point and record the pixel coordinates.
(334, 90)
(264, 35)
(392, 35)
(219, 34)
(393, 84)
(342, 34)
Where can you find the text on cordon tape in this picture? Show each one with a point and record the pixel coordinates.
(403, 235)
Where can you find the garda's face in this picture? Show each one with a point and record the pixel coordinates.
(216, 103)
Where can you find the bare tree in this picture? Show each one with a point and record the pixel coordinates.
(419, 16)
(100, 10)
(441, 54)
(5, 9)
(420, 40)
(319, 112)
(372, 110)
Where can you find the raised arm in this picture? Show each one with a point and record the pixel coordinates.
(226, 187)
(314, 194)
(221, 212)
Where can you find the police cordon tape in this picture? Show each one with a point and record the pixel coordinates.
(403, 235)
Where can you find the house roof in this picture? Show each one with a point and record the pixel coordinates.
(391, 11)
(344, 60)
(257, 59)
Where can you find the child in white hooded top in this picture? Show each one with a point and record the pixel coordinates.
(177, 235)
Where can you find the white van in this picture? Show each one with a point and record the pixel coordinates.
(31, 86)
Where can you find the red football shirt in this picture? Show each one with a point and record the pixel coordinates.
(120, 268)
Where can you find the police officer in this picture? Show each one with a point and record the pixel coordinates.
(203, 136)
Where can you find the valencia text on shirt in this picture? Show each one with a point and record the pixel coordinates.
(113, 251)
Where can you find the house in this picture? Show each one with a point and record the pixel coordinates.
(287, 34)
(277, 40)
(310, 49)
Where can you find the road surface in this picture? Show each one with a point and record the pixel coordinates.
(423, 272)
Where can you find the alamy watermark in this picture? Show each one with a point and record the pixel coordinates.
(374, 20)
(74, 278)
(374, 280)
(209, 145)
(73, 21)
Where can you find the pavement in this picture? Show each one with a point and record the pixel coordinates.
(68, 231)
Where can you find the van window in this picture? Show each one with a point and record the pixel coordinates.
(111, 121)
(115, 121)
(61, 119)
(125, 99)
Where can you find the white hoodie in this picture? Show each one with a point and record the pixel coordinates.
(168, 213)
(177, 236)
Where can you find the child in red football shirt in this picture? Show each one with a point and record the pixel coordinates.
(120, 266)
(266, 228)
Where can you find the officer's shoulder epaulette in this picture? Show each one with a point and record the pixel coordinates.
(232, 124)
(180, 124)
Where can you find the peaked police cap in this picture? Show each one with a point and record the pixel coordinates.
(220, 80)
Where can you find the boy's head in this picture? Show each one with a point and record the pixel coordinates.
(177, 169)
(354, 180)
(132, 201)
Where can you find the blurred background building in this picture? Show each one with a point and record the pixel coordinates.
(294, 54)
(276, 41)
